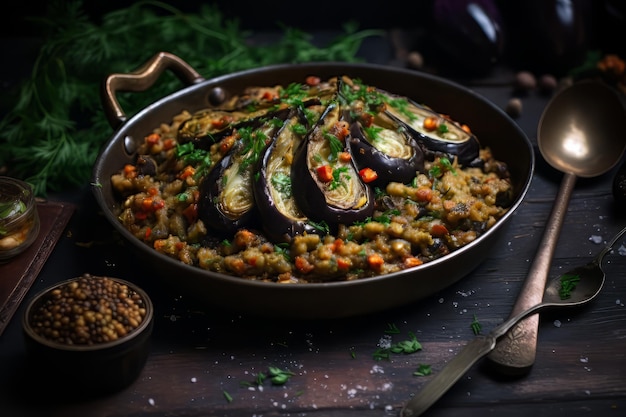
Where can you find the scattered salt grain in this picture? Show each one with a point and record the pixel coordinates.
(557, 323)
(584, 359)
(596, 239)
(194, 380)
(622, 250)
(151, 401)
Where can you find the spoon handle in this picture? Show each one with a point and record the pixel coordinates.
(514, 353)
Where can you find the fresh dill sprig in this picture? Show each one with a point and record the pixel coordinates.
(54, 127)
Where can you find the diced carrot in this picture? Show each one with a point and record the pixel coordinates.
(303, 265)
(227, 143)
(375, 262)
(424, 194)
(191, 212)
(438, 230)
(146, 204)
(466, 128)
(368, 175)
(153, 191)
(337, 245)
(312, 80)
(412, 261)
(344, 156)
(130, 171)
(188, 171)
(431, 123)
(343, 263)
(148, 232)
(169, 143)
(367, 119)
(325, 173)
(153, 138)
(341, 129)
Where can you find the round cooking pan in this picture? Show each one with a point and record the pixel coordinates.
(311, 300)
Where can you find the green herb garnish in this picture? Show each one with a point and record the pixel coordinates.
(475, 325)
(568, 284)
(422, 370)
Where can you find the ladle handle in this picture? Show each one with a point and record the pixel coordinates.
(515, 352)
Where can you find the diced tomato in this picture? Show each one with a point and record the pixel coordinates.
(227, 143)
(141, 215)
(325, 173)
(368, 175)
(153, 191)
(148, 232)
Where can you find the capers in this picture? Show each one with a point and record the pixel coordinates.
(87, 311)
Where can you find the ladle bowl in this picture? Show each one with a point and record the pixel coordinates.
(581, 132)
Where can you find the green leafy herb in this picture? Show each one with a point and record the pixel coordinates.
(422, 370)
(568, 284)
(274, 374)
(339, 174)
(475, 325)
(320, 226)
(282, 183)
(54, 125)
(410, 345)
(228, 397)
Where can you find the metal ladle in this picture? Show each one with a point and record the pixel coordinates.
(582, 133)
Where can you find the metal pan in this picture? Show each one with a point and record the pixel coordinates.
(312, 300)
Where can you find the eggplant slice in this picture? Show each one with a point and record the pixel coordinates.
(438, 135)
(226, 194)
(282, 218)
(328, 188)
(387, 148)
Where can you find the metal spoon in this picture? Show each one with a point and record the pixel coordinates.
(581, 133)
(558, 294)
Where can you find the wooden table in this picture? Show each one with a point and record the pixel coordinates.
(200, 357)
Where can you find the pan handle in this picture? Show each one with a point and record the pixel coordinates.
(142, 79)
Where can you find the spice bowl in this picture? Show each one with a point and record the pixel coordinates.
(19, 219)
(90, 334)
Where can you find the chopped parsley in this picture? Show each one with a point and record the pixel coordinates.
(422, 370)
(282, 183)
(568, 284)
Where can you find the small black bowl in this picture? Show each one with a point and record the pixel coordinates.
(66, 342)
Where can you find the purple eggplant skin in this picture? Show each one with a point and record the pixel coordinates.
(310, 192)
(466, 36)
(211, 211)
(278, 225)
(548, 36)
(388, 168)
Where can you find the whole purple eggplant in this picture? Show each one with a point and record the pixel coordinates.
(466, 35)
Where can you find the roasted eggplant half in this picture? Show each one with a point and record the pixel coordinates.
(328, 186)
(437, 134)
(226, 195)
(385, 147)
(282, 219)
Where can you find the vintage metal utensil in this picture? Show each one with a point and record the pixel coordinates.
(576, 287)
(580, 133)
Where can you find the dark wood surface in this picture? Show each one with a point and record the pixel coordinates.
(198, 354)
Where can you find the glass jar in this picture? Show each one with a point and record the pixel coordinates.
(19, 219)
